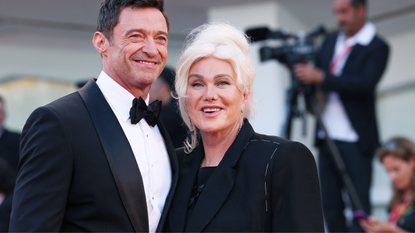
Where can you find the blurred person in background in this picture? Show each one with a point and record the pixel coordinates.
(398, 157)
(7, 180)
(232, 179)
(9, 141)
(162, 89)
(348, 68)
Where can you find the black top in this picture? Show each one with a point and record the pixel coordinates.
(202, 178)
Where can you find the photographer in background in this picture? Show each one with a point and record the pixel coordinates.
(348, 68)
(9, 141)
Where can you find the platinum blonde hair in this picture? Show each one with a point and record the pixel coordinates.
(221, 41)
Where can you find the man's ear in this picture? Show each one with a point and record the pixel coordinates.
(362, 9)
(101, 43)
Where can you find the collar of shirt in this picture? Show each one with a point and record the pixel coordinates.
(363, 37)
(120, 99)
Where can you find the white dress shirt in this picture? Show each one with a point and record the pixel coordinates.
(147, 144)
(334, 116)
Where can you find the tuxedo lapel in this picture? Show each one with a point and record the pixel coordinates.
(220, 183)
(187, 173)
(119, 154)
(174, 168)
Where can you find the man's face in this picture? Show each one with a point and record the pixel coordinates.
(349, 18)
(137, 53)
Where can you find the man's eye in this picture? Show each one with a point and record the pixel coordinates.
(162, 38)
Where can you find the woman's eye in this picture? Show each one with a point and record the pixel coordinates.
(222, 83)
(196, 85)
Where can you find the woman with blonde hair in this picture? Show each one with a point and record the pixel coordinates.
(398, 157)
(232, 179)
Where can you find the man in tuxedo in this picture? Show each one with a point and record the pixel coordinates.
(349, 66)
(9, 141)
(91, 161)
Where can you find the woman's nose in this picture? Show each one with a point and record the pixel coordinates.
(210, 94)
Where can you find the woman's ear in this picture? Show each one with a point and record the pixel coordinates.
(100, 43)
(245, 94)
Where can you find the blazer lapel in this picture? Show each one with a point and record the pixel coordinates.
(356, 50)
(119, 154)
(187, 173)
(330, 52)
(175, 174)
(220, 183)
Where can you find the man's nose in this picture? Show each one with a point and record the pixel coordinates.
(150, 47)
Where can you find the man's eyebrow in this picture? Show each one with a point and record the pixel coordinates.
(144, 31)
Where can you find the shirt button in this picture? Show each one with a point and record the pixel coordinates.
(152, 198)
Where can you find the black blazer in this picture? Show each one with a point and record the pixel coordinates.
(9, 148)
(263, 183)
(356, 86)
(5, 209)
(78, 172)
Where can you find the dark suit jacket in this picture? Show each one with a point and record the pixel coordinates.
(356, 86)
(5, 209)
(9, 148)
(78, 172)
(263, 183)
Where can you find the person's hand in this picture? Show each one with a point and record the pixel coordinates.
(307, 74)
(373, 225)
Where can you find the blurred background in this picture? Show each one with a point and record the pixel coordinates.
(46, 52)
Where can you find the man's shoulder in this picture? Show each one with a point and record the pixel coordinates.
(68, 103)
(378, 41)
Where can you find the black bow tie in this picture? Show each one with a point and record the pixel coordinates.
(140, 110)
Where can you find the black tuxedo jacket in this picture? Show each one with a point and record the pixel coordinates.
(78, 172)
(263, 183)
(356, 86)
(9, 148)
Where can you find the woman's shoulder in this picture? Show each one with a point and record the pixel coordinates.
(280, 147)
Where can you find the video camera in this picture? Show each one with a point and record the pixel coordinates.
(296, 49)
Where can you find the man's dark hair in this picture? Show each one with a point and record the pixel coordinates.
(111, 9)
(357, 3)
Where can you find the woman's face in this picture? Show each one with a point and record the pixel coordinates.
(399, 170)
(214, 102)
